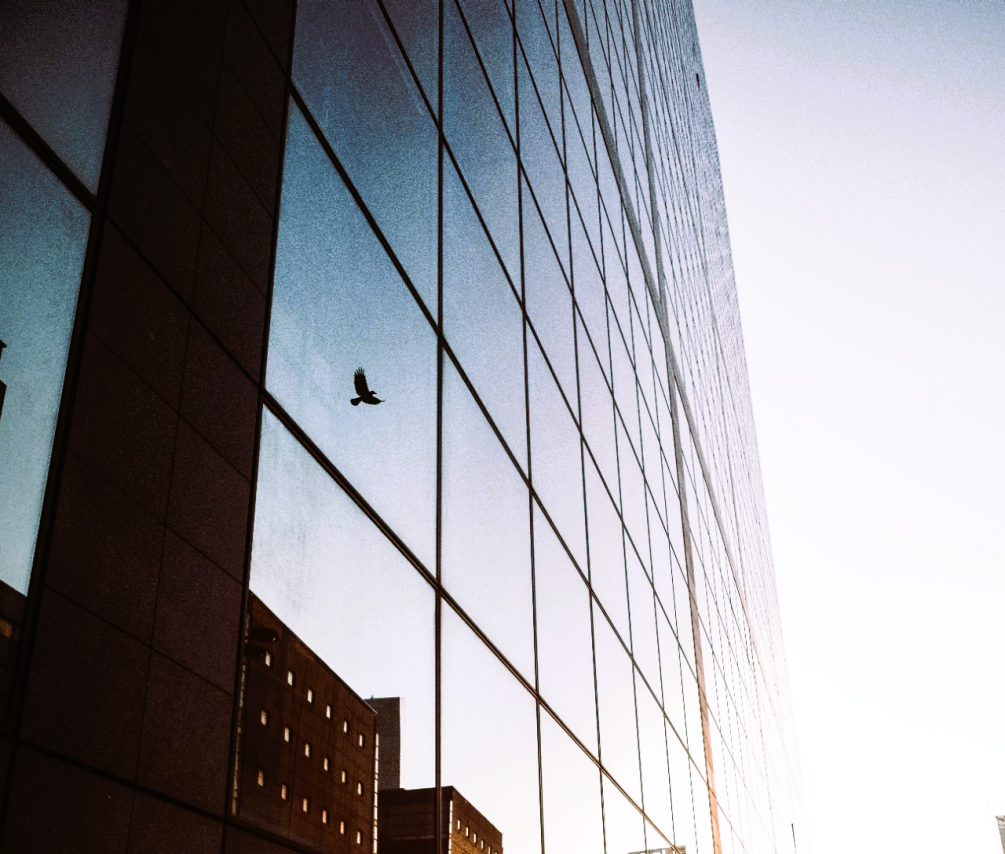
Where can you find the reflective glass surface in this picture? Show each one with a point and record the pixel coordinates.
(377, 123)
(58, 61)
(571, 794)
(42, 247)
(338, 305)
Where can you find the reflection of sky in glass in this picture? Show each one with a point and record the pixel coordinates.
(489, 737)
(355, 81)
(486, 528)
(571, 794)
(58, 60)
(42, 245)
(322, 567)
(338, 304)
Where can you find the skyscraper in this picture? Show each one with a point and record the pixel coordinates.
(548, 540)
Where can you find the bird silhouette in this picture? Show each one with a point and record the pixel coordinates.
(363, 390)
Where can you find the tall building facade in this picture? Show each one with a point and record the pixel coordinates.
(547, 539)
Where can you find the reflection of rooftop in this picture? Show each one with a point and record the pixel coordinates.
(307, 745)
(408, 822)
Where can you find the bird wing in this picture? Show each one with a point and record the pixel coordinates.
(359, 378)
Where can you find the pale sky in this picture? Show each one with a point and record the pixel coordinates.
(863, 157)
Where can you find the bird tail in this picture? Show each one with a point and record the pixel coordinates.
(355, 401)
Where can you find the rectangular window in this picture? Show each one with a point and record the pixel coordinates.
(310, 695)
(326, 763)
(264, 718)
(345, 725)
(360, 740)
(289, 678)
(268, 659)
(359, 788)
(283, 792)
(261, 777)
(307, 749)
(328, 712)
(286, 733)
(341, 827)
(359, 837)
(306, 805)
(343, 776)
(324, 816)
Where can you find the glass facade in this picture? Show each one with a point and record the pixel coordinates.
(522, 241)
(506, 582)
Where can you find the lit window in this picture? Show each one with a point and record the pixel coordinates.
(326, 763)
(341, 827)
(286, 733)
(261, 777)
(343, 776)
(268, 659)
(483, 845)
(324, 816)
(283, 792)
(289, 678)
(466, 831)
(360, 741)
(458, 824)
(310, 695)
(307, 749)
(474, 839)
(345, 725)
(265, 718)
(359, 788)
(359, 837)
(328, 712)
(306, 805)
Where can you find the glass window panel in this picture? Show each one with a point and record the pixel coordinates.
(417, 23)
(542, 164)
(624, 385)
(376, 122)
(670, 667)
(607, 555)
(633, 496)
(659, 351)
(652, 461)
(482, 319)
(572, 71)
(478, 139)
(662, 564)
(623, 825)
(339, 304)
(682, 599)
(653, 752)
(486, 527)
(656, 529)
(548, 299)
(58, 62)
(590, 295)
(492, 29)
(556, 455)
(581, 177)
(619, 749)
(540, 52)
(614, 271)
(489, 757)
(681, 772)
(692, 716)
(572, 810)
(42, 247)
(597, 410)
(640, 598)
(324, 570)
(675, 525)
(564, 635)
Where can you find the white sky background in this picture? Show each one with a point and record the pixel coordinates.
(863, 156)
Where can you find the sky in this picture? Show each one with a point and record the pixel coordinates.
(862, 145)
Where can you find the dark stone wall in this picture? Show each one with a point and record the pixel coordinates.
(121, 730)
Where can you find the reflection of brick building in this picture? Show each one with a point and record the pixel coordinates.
(306, 764)
(11, 619)
(407, 824)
